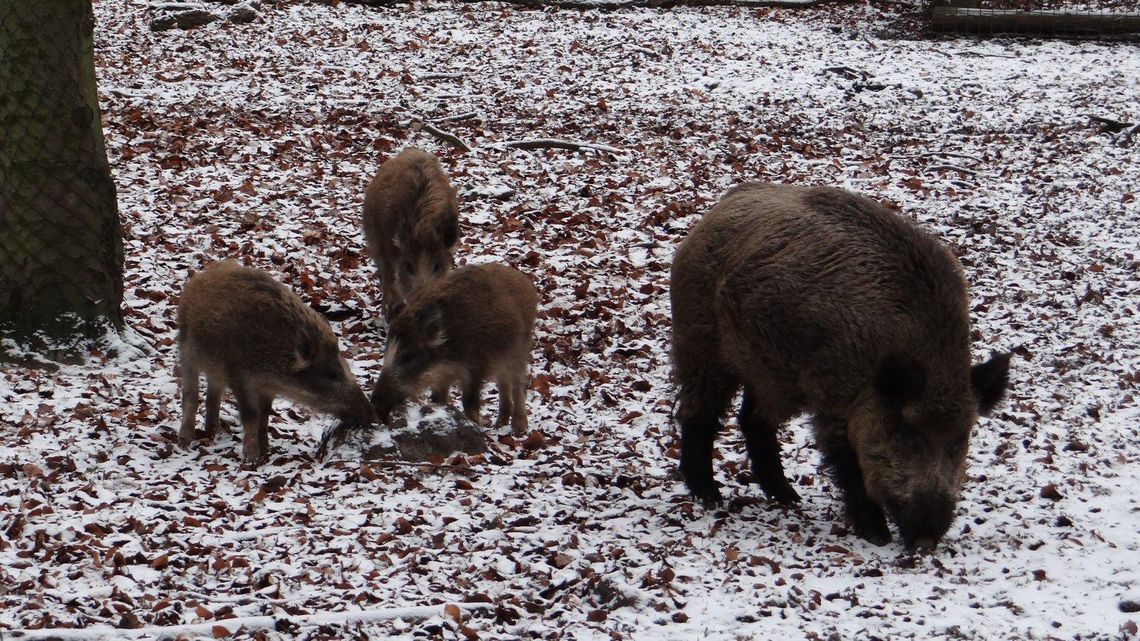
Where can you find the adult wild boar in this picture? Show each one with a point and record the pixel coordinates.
(411, 224)
(248, 332)
(819, 300)
(473, 324)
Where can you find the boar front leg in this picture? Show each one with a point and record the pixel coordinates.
(439, 394)
(866, 515)
(189, 404)
(389, 297)
(763, 447)
(472, 397)
(251, 408)
(214, 392)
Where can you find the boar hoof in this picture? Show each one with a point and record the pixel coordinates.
(252, 463)
(709, 496)
(871, 525)
(184, 440)
(252, 457)
(782, 492)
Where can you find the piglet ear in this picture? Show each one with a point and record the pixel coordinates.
(431, 326)
(900, 380)
(989, 381)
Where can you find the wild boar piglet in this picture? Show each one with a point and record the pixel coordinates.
(473, 324)
(411, 224)
(819, 300)
(248, 332)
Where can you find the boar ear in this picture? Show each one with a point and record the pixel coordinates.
(900, 379)
(990, 380)
(308, 344)
(431, 326)
(448, 230)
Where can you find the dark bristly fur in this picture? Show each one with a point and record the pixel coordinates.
(819, 300)
(248, 332)
(411, 224)
(473, 324)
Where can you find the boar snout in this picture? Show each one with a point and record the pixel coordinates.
(358, 410)
(386, 397)
(923, 519)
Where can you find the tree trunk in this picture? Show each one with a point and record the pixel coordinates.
(1049, 21)
(61, 253)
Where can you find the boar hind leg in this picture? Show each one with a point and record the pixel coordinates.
(764, 450)
(189, 404)
(519, 423)
(506, 400)
(214, 391)
(864, 513)
(512, 401)
(263, 425)
(702, 403)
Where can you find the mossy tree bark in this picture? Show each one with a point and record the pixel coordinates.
(61, 253)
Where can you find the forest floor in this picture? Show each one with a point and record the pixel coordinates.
(255, 142)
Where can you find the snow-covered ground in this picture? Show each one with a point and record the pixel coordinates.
(256, 142)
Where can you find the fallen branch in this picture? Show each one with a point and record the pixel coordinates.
(447, 137)
(233, 625)
(390, 463)
(1126, 139)
(551, 143)
(610, 5)
(1109, 125)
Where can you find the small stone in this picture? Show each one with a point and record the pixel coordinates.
(183, 20)
(243, 14)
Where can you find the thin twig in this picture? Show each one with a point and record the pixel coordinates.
(447, 137)
(463, 116)
(552, 143)
(939, 154)
(440, 76)
(847, 72)
(247, 623)
(645, 50)
(963, 170)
